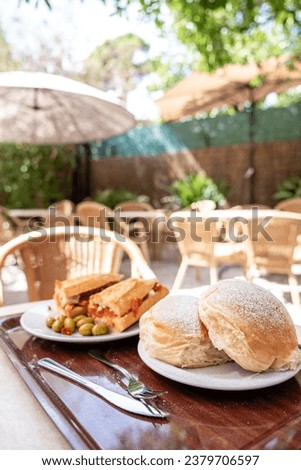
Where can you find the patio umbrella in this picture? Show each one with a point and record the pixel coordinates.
(231, 85)
(41, 108)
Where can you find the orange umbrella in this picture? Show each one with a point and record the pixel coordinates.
(199, 91)
(230, 85)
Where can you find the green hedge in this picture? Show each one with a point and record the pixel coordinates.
(34, 175)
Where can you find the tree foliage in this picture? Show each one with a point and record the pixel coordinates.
(6, 60)
(117, 64)
(224, 31)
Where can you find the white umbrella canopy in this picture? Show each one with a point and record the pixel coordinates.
(42, 108)
(230, 85)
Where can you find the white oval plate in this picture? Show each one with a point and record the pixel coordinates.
(34, 322)
(228, 376)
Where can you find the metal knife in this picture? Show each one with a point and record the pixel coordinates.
(125, 403)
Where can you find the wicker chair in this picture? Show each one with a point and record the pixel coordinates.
(65, 206)
(240, 230)
(250, 206)
(94, 214)
(10, 226)
(200, 246)
(62, 253)
(60, 213)
(137, 229)
(289, 205)
(134, 206)
(278, 252)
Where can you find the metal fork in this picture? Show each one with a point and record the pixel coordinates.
(121, 401)
(135, 387)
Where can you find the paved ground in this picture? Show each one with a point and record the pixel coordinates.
(165, 268)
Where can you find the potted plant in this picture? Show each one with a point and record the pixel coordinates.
(288, 188)
(111, 197)
(196, 187)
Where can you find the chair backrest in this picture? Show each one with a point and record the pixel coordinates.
(272, 247)
(65, 206)
(289, 205)
(195, 234)
(94, 214)
(9, 226)
(67, 252)
(250, 206)
(134, 206)
(6, 228)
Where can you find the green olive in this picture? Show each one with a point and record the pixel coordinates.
(78, 310)
(85, 329)
(69, 323)
(50, 321)
(57, 325)
(79, 317)
(83, 321)
(100, 329)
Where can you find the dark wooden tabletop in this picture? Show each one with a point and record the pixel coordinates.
(199, 419)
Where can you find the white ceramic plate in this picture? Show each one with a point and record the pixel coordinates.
(298, 330)
(34, 322)
(228, 376)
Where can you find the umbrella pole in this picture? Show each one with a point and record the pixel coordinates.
(77, 186)
(251, 157)
(88, 154)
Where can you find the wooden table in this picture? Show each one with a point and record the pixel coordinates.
(199, 418)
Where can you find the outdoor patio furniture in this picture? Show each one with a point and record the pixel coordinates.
(65, 206)
(200, 245)
(139, 229)
(134, 206)
(94, 214)
(250, 206)
(60, 213)
(290, 205)
(10, 226)
(277, 249)
(241, 209)
(60, 253)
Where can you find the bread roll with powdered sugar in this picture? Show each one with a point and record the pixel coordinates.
(172, 332)
(250, 325)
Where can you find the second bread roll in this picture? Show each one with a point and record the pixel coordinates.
(251, 325)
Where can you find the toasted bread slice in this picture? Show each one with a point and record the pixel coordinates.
(74, 291)
(122, 305)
